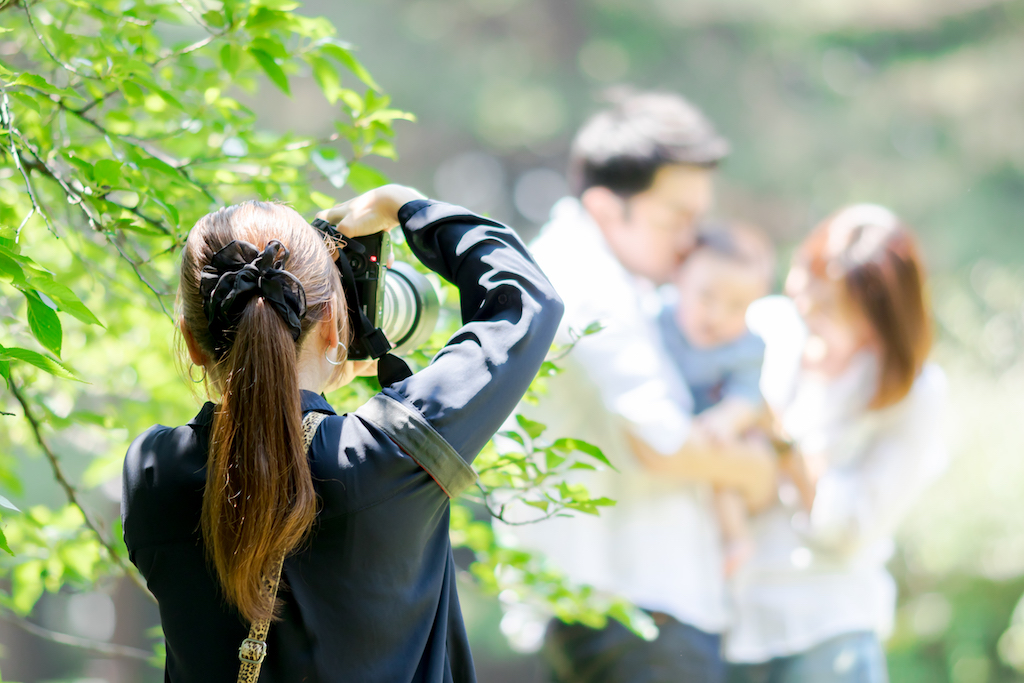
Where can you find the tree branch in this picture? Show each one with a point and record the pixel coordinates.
(138, 272)
(106, 649)
(75, 198)
(64, 65)
(8, 122)
(499, 514)
(177, 164)
(97, 100)
(69, 489)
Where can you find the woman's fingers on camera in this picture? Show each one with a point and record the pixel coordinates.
(335, 214)
(362, 215)
(371, 212)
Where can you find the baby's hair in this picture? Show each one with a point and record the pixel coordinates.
(741, 243)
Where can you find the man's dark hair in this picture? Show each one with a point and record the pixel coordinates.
(622, 147)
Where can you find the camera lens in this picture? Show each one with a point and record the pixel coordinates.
(411, 308)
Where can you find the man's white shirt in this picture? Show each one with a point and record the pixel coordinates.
(659, 546)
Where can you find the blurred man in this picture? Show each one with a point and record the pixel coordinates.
(642, 174)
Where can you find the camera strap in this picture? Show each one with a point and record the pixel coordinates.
(253, 650)
(390, 368)
(418, 439)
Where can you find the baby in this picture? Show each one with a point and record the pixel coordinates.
(706, 335)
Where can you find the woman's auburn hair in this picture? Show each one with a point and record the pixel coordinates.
(876, 258)
(259, 502)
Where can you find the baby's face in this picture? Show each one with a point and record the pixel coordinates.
(714, 294)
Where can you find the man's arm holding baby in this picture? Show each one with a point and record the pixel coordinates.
(730, 419)
(748, 465)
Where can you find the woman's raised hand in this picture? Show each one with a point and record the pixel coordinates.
(371, 212)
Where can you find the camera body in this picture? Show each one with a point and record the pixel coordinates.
(390, 309)
(368, 261)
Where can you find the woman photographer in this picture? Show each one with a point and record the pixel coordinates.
(367, 589)
(845, 373)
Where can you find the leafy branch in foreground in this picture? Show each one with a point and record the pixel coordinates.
(121, 123)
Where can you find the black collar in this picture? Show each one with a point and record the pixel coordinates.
(310, 402)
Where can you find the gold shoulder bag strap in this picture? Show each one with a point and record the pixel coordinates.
(254, 648)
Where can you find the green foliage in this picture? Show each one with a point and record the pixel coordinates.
(961, 561)
(54, 548)
(957, 632)
(518, 576)
(121, 123)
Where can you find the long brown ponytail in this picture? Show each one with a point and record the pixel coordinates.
(259, 502)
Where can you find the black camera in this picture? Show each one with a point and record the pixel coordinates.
(390, 309)
(367, 257)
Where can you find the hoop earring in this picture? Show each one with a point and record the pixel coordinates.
(336, 362)
(194, 380)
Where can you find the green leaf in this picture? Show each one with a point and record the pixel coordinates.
(539, 504)
(261, 20)
(322, 200)
(40, 361)
(552, 459)
(77, 309)
(387, 115)
(353, 101)
(166, 96)
(384, 148)
(272, 46)
(27, 585)
(350, 62)
(515, 436)
(132, 92)
(39, 83)
(29, 100)
(10, 269)
(214, 18)
(326, 77)
(162, 167)
(570, 445)
(362, 178)
(44, 323)
(532, 429)
(83, 166)
(107, 172)
(231, 58)
(5, 370)
(67, 300)
(270, 67)
(3, 544)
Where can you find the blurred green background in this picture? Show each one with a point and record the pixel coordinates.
(916, 104)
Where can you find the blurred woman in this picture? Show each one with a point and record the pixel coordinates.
(861, 413)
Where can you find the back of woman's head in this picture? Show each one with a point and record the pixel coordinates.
(256, 279)
(875, 257)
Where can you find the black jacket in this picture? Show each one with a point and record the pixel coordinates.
(372, 596)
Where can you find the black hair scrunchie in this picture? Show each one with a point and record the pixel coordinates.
(237, 273)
